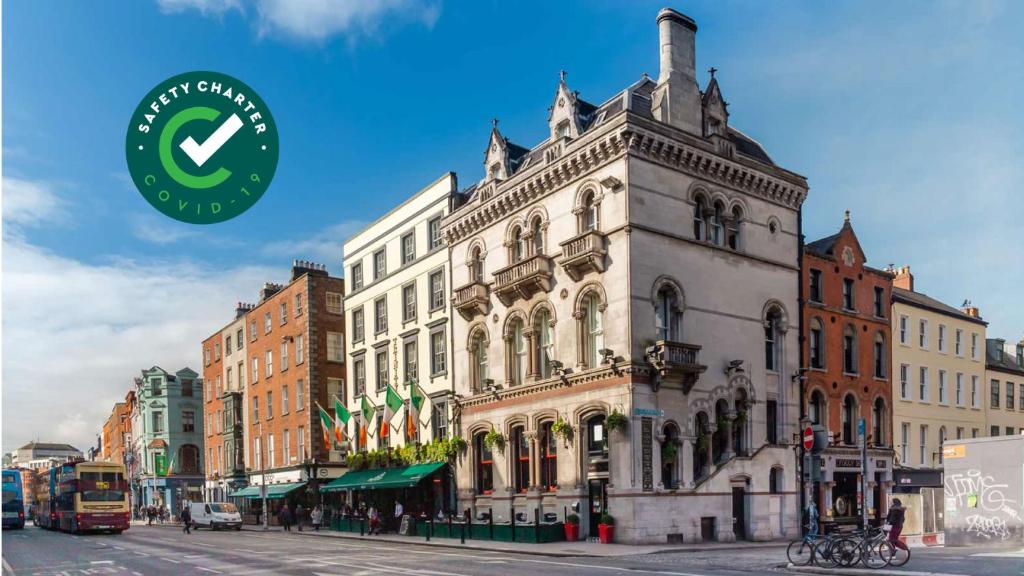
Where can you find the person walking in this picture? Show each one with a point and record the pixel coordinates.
(316, 516)
(283, 517)
(895, 517)
(300, 515)
(374, 520)
(150, 514)
(399, 511)
(186, 519)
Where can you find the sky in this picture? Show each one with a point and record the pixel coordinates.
(907, 114)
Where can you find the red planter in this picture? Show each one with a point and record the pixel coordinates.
(606, 533)
(572, 532)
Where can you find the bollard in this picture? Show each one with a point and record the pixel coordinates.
(490, 522)
(463, 537)
(536, 525)
(361, 532)
(449, 525)
(429, 528)
(513, 523)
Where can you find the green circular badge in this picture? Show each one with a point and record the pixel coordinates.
(202, 147)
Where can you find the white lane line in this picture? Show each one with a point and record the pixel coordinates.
(191, 556)
(119, 547)
(102, 562)
(203, 544)
(171, 560)
(136, 573)
(141, 553)
(7, 566)
(208, 569)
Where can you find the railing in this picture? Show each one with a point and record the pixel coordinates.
(680, 353)
(469, 294)
(589, 241)
(534, 265)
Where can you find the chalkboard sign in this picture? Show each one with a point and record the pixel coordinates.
(407, 528)
(647, 452)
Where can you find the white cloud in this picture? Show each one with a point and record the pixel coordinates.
(317, 20)
(75, 334)
(324, 247)
(31, 203)
(155, 229)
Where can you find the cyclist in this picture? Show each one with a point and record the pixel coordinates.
(894, 519)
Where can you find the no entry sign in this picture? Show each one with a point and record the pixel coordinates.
(808, 438)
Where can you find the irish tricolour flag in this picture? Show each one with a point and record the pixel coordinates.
(326, 424)
(341, 418)
(392, 404)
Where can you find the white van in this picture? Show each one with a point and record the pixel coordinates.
(216, 515)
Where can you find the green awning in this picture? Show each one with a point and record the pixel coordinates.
(274, 491)
(381, 478)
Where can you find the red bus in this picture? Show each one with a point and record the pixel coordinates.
(87, 497)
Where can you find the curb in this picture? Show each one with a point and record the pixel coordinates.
(865, 571)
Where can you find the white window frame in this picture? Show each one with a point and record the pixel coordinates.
(905, 436)
(334, 302)
(958, 344)
(255, 369)
(336, 349)
(438, 352)
(269, 364)
(436, 291)
(300, 395)
(959, 388)
(923, 393)
(904, 381)
(904, 329)
(922, 337)
(284, 356)
(942, 338)
(974, 391)
(943, 399)
(300, 349)
(285, 408)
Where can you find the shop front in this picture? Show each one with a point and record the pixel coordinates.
(425, 491)
(249, 500)
(841, 495)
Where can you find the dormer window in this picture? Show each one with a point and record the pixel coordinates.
(494, 170)
(562, 131)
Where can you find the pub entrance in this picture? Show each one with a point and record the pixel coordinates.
(597, 503)
(739, 512)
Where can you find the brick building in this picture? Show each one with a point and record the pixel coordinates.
(294, 349)
(846, 342)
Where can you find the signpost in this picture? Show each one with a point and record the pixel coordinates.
(808, 438)
(862, 488)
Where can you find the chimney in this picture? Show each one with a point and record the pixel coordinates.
(970, 309)
(300, 267)
(676, 100)
(904, 279)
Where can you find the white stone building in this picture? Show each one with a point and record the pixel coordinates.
(399, 317)
(641, 260)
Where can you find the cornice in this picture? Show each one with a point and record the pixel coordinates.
(638, 372)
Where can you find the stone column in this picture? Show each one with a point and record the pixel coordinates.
(709, 455)
(730, 418)
(531, 354)
(509, 359)
(686, 474)
(581, 338)
(531, 441)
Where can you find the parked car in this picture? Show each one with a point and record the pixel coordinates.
(216, 515)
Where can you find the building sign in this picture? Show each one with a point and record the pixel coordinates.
(649, 412)
(853, 463)
(647, 453)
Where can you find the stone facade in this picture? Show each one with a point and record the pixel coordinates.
(1004, 380)
(225, 368)
(846, 350)
(642, 261)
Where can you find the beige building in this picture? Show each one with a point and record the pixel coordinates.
(938, 374)
(1004, 376)
(399, 317)
(642, 262)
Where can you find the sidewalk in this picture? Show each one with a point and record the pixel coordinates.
(552, 549)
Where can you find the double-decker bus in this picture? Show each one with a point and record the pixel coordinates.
(84, 497)
(13, 500)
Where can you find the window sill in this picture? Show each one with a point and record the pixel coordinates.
(851, 374)
(881, 379)
(818, 369)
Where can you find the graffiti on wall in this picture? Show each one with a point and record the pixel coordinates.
(985, 501)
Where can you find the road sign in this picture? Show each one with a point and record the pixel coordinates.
(808, 438)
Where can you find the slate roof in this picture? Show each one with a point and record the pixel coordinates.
(927, 302)
(824, 247)
(1008, 362)
(48, 446)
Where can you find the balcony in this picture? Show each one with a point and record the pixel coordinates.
(471, 299)
(583, 254)
(523, 279)
(677, 364)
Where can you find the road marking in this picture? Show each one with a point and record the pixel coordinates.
(203, 544)
(171, 560)
(208, 569)
(119, 547)
(102, 562)
(141, 553)
(7, 566)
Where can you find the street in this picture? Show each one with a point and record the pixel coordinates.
(165, 550)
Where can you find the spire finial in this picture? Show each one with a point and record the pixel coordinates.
(494, 123)
(561, 75)
(712, 71)
(847, 220)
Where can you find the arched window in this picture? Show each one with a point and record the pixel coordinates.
(481, 367)
(816, 409)
(520, 459)
(545, 338)
(720, 439)
(701, 447)
(593, 326)
(484, 464)
(850, 350)
(817, 344)
(732, 233)
(771, 339)
(670, 457)
(849, 419)
(666, 314)
(517, 250)
(700, 219)
(189, 457)
(597, 439)
(775, 481)
(548, 458)
(589, 220)
(879, 355)
(878, 418)
(538, 236)
(716, 223)
(739, 425)
(517, 352)
(476, 266)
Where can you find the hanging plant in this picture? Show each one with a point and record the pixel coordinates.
(703, 440)
(495, 440)
(456, 446)
(615, 421)
(356, 460)
(562, 429)
(668, 451)
(741, 417)
(722, 422)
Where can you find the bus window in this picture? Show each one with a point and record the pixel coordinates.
(102, 486)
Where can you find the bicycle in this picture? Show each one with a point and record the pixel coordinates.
(812, 548)
(900, 555)
(868, 547)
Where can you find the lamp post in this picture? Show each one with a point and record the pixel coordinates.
(312, 475)
(263, 483)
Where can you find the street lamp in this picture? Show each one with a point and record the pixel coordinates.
(263, 482)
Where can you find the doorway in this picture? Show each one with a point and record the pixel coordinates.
(597, 503)
(739, 512)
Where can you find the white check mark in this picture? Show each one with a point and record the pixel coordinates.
(200, 153)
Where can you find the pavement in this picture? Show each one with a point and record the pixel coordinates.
(165, 550)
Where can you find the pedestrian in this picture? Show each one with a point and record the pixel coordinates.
(283, 518)
(316, 516)
(163, 514)
(895, 518)
(150, 514)
(399, 510)
(186, 519)
(300, 514)
(374, 520)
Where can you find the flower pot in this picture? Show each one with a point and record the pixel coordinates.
(606, 533)
(572, 532)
